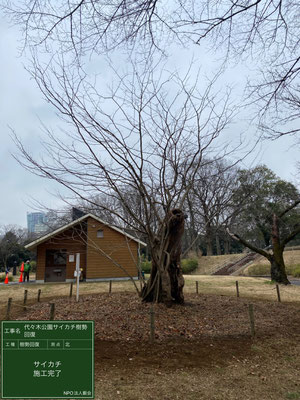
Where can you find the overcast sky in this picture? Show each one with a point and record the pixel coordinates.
(22, 107)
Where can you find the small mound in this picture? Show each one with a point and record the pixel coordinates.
(123, 317)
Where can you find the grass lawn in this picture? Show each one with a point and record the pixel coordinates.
(249, 287)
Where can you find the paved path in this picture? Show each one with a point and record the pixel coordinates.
(295, 282)
(17, 283)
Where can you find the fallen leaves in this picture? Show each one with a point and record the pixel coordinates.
(123, 317)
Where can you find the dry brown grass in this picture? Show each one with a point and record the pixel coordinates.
(59, 289)
(291, 257)
(52, 290)
(250, 287)
(208, 264)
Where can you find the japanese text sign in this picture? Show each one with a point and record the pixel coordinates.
(47, 359)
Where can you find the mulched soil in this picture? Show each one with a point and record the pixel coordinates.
(202, 350)
(123, 317)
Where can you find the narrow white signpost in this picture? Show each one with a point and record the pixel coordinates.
(77, 275)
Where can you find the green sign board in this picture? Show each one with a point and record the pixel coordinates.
(47, 359)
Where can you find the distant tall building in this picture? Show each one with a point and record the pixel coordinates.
(36, 222)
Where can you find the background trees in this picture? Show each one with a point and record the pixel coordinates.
(210, 203)
(272, 211)
(12, 251)
(265, 194)
(241, 200)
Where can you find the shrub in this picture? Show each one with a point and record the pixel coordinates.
(189, 265)
(33, 266)
(293, 270)
(296, 272)
(146, 266)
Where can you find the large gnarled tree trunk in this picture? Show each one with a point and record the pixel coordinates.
(278, 272)
(166, 281)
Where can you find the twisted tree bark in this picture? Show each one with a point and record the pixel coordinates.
(166, 281)
(278, 272)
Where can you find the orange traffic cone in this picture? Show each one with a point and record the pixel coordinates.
(6, 279)
(21, 270)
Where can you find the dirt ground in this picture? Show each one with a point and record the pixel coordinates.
(202, 350)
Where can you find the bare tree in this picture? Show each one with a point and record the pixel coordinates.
(210, 202)
(149, 134)
(267, 30)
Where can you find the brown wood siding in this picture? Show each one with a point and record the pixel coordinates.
(69, 240)
(120, 248)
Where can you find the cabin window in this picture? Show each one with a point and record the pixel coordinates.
(100, 233)
(60, 257)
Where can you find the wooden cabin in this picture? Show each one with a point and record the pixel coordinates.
(106, 252)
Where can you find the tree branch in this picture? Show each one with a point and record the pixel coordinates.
(249, 245)
(290, 237)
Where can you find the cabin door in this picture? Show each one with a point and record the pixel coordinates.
(56, 264)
